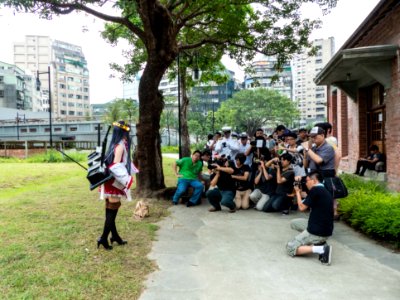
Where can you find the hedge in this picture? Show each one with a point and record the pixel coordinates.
(372, 209)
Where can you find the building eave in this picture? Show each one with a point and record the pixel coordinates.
(351, 69)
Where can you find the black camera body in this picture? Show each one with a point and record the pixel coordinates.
(220, 162)
(278, 163)
(260, 160)
(297, 183)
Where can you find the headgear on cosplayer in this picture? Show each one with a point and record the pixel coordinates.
(121, 130)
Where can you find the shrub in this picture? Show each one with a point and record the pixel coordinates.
(372, 209)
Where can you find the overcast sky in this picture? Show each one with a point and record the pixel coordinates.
(83, 30)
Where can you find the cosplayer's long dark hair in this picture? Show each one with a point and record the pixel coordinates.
(117, 135)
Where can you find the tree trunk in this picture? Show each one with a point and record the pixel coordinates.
(184, 109)
(148, 155)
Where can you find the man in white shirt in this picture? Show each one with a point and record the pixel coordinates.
(227, 146)
(244, 145)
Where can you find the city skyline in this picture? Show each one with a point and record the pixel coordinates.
(85, 30)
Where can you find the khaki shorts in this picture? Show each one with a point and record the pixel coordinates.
(304, 238)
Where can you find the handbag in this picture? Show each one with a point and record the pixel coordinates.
(336, 187)
(97, 172)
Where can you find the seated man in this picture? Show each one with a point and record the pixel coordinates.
(222, 186)
(369, 162)
(319, 226)
(189, 172)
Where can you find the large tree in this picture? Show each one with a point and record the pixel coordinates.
(121, 109)
(248, 110)
(161, 29)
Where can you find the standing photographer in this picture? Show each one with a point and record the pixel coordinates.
(227, 146)
(260, 151)
(319, 226)
(222, 186)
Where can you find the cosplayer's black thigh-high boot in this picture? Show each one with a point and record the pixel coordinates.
(114, 233)
(103, 240)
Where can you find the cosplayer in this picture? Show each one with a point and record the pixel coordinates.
(117, 159)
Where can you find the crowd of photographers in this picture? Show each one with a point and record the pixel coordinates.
(272, 173)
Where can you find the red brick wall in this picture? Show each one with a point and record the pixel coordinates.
(351, 115)
(392, 129)
(343, 114)
(385, 32)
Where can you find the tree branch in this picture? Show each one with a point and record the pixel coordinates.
(66, 8)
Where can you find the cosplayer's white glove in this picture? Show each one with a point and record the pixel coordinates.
(122, 179)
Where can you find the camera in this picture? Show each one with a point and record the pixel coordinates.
(260, 160)
(220, 162)
(278, 163)
(298, 184)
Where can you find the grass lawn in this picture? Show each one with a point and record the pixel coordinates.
(49, 224)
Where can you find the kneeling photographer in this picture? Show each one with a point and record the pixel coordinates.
(265, 185)
(243, 184)
(280, 201)
(222, 186)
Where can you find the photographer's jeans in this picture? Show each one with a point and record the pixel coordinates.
(182, 187)
(217, 197)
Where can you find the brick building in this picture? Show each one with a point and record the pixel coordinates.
(363, 81)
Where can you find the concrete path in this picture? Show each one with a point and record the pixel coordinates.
(242, 256)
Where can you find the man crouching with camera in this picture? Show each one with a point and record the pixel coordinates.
(222, 186)
(319, 226)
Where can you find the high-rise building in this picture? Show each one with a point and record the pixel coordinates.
(72, 77)
(311, 99)
(263, 76)
(13, 88)
(69, 75)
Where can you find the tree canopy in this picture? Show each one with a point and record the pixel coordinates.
(248, 110)
(121, 109)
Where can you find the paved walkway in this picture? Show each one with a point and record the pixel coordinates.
(219, 255)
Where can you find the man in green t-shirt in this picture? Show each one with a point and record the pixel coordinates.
(189, 171)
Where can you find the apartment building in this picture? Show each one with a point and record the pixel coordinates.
(69, 75)
(12, 87)
(310, 98)
(263, 76)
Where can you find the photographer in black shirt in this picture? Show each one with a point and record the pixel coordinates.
(280, 201)
(222, 186)
(319, 226)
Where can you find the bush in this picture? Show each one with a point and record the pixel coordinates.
(372, 209)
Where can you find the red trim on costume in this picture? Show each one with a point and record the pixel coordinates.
(129, 183)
